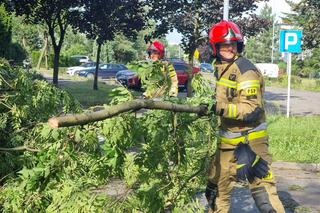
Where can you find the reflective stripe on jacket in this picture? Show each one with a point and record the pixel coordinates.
(239, 95)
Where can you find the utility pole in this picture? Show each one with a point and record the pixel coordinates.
(226, 10)
(273, 20)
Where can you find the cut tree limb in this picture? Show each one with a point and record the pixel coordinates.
(108, 112)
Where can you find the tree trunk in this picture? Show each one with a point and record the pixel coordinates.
(110, 111)
(56, 65)
(95, 81)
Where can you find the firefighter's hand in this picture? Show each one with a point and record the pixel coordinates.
(173, 93)
(146, 95)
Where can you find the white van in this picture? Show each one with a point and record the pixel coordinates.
(268, 69)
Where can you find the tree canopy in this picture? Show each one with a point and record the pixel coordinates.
(55, 14)
(306, 15)
(101, 20)
(194, 18)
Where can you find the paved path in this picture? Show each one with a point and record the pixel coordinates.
(298, 187)
(302, 102)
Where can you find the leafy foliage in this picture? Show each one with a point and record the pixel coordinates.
(55, 15)
(102, 20)
(194, 18)
(259, 47)
(160, 157)
(307, 17)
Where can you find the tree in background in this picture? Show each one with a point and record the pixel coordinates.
(259, 47)
(29, 36)
(54, 14)
(77, 44)
(101, 20)
(193, 18)
(306, 15)
(5, 31)
(8, 49)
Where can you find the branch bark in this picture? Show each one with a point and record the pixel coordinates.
(19, 148)
(88, 117)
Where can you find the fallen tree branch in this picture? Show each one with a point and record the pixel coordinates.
(19, 148)
(108, 112)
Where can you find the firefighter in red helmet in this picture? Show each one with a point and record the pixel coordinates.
(156, 52)
(242, 150)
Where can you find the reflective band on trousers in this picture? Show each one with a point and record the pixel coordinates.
(251, 136)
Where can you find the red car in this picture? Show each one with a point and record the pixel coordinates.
(129, 79)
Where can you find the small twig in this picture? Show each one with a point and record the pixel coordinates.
(6, 82)
(19, 148)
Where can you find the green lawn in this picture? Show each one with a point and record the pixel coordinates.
(296, 83)
(296, 139)
(84, 93)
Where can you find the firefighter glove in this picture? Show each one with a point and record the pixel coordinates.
(173, 93)
(249, 164)
(260, 167)
(245, 158)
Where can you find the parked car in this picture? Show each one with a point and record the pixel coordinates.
(105, 71)
(182, 73)
(206, 67)
(76, 69)
(81, 58)
(130, 79)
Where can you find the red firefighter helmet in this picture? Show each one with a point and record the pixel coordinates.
(156, 46)
(225, 32)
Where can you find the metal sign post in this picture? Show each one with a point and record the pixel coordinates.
(290, 42)
(226, 10)
(289, 82)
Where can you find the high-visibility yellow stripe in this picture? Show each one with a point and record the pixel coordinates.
(248, 84)
(240, 166)
(172, 74)
(232, 110)
(251, 136)
(256, 160)
(227, 83)
(269, 176)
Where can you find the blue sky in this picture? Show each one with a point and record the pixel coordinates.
(279, 7)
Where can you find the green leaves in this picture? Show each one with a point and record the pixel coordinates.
(160, 155)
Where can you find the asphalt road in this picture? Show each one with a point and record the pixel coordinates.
(301, 103)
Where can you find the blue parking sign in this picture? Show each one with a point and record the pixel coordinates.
(290, 41)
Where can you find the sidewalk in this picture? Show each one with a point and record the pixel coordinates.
(298, 187)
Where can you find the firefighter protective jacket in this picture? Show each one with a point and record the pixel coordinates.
(239, 95)
(168, 71)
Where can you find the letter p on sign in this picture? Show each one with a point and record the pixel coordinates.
(290, 41)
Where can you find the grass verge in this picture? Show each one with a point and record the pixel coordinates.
(296, 83)
(296, 139)
(84, 93)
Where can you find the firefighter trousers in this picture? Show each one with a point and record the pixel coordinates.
(222, 173)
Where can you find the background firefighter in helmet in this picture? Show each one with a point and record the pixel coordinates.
(242, 151)
(156, 53)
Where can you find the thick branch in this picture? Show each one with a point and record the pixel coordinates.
(85, 118)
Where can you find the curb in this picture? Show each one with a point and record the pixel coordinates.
(311, 167)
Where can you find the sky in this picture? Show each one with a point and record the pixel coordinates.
(279, 7)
